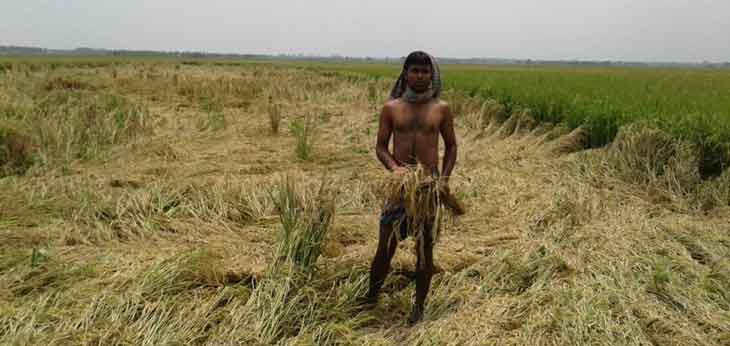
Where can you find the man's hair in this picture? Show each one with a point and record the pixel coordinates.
(417, 58)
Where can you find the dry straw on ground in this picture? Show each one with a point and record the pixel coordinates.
(148, 230)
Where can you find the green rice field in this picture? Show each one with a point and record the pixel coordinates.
(691, 104)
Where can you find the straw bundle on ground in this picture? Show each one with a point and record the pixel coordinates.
(576, 140)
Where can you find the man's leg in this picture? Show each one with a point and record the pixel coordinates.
(387, 244)
(424, 272)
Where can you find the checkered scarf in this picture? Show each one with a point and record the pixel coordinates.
(400, 89)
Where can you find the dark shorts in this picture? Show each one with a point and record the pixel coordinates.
(398, 214)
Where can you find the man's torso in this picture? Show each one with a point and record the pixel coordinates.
(416, 132)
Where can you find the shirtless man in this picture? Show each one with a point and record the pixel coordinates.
(414, 117)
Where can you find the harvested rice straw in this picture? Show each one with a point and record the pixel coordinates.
(424, 198)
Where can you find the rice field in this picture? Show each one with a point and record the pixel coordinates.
(691, 104)
(149, 202)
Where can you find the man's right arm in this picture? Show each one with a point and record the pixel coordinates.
(385, 130)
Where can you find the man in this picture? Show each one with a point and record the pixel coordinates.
(414, 117)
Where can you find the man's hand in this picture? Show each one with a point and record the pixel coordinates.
(444, 182)
(400, 170)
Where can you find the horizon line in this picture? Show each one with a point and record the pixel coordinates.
(341, 56)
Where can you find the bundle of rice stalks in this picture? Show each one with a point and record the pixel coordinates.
(642, 155)
(306, 215)
(493, 112)
(16, 152)
(508, 127)
(423, 197)
(525, 122)
(374, 93)
(274, 111)
(576, 140)
(490, 114)
(184, 271)
(66, 83)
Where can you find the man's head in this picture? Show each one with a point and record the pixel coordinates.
(419, 71)
(420, 79)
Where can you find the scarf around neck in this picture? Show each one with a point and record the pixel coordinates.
(411, 96)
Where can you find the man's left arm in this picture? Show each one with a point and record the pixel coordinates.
(447, 133)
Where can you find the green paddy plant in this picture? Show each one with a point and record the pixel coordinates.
(685, 103)
(213, 121)
(305, 133)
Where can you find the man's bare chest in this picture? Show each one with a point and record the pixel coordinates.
(421, 118)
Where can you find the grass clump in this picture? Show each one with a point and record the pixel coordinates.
(276, 306)
(290, 307)
(66, 126)
(16, 154)
(490, 113)
(669, 167)
(213, 121)
(717, 285)
(305, 133)
(182, 272)
(274, 112)
(646, 156)
(306, 214)
(65, 83)
(148, 212)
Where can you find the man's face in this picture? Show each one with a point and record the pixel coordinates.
(418, 77)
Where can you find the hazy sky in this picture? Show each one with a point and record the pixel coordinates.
(645, 30)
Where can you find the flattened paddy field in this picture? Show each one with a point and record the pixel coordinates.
(194, 203)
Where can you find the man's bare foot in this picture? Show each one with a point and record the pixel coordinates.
(416, 315)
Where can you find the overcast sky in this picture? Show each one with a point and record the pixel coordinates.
(643, 30)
